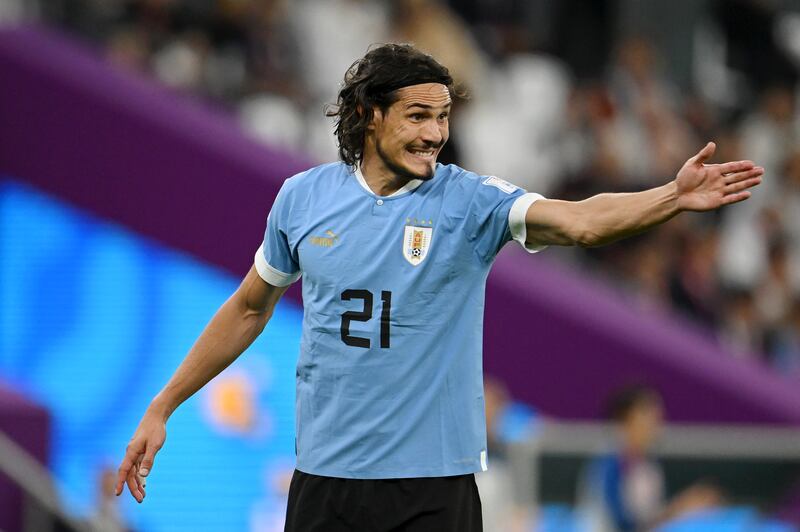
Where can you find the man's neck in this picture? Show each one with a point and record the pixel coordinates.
(381, 180)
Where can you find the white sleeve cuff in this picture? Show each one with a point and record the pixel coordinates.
(270, 274)
(516, 220)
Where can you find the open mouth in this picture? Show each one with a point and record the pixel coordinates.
(426, 155)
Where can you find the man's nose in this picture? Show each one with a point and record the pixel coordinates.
(432, 133)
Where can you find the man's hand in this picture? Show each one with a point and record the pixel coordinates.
(140, 454)
(703, 187)
(232, 329)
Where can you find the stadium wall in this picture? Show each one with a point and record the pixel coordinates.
(28, 425)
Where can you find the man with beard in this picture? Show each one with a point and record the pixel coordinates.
(394, 250)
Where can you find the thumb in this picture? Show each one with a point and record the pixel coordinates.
(705, 154)
(147, 462)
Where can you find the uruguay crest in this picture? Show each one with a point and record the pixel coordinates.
(416, 243)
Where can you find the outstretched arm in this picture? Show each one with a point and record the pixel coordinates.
(232, 329)
(604, 218)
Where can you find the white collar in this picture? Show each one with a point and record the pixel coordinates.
(408, 187)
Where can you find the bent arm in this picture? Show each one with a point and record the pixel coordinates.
(605, 218)
(233, 328)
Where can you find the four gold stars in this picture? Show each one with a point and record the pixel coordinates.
(416, 221)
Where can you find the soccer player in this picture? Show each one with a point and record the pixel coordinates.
(623, 489)
(394, 250)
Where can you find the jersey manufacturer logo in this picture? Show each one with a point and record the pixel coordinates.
(502, 184)
(327, 241)
(416, 243)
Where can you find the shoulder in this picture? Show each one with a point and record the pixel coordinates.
(451, 174)
(458, 178)
(467, 191)
(299, 189)
(318, 175)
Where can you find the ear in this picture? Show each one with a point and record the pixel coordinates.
(377, 117)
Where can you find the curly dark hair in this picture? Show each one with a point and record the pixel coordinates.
(373, 81)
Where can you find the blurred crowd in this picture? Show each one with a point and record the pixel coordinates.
(567, 98)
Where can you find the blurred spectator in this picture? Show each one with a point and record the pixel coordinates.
(182, 62)
(624, 490)
(435, 29)
(274, 93)
(504, 508)
(787, 208)
(516, 119)
(12, 11)
(768, 135)
(331, 34)
(694, 286)
(649, 279)
(651, 139)
(741, 331)
(129, 48)
(784, 346)
(774, 292)
(273, 50)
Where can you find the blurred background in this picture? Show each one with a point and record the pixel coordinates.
(650, 384)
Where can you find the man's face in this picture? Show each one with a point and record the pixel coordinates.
(644, 424)
(410, 134)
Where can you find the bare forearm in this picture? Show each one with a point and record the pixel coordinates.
(606, 218)
(232, 329)
(600, 219)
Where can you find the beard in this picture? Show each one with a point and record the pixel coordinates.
(401, 171)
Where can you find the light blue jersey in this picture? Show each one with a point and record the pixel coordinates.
(389, 378)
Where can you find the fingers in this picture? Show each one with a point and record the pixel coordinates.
(140, 484)
(736, 177)
(735, 198)
(147, 461)
(705, 154)
(140, 480)
(742, 185)
(735, 166)
(133, 486)
(124, 470)
(129, 471)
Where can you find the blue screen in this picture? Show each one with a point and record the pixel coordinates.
(93, 321)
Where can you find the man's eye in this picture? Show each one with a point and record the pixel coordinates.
(443, 116)
(417, 116)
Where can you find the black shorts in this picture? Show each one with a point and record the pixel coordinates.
(327, 504)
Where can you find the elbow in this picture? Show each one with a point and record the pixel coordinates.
(589, 239)
(258, 318)
(584, 235)
(576, 228)
(253, 316)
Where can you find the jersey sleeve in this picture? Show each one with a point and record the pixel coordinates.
(275, 260)
(497, 215)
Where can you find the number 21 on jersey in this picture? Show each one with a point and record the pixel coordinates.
(365, 315)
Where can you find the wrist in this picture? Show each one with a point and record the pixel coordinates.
(673, 196)
(160, 408)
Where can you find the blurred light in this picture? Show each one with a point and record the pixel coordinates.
(94, 320)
